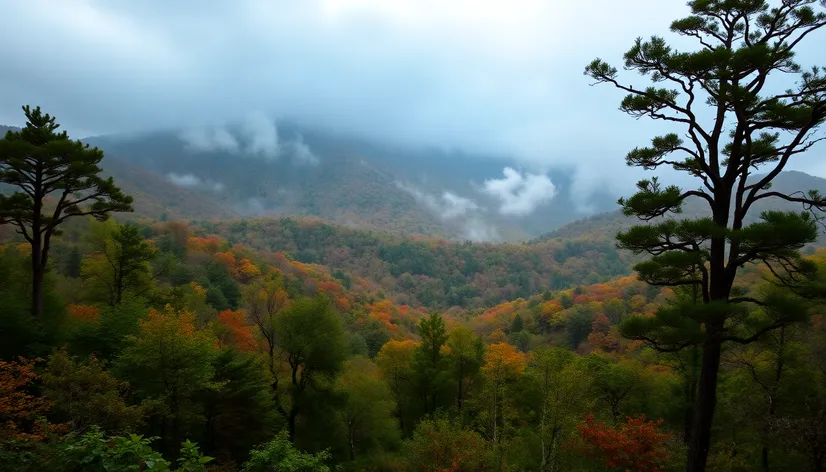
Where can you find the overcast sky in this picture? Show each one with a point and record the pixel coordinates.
(489, 76)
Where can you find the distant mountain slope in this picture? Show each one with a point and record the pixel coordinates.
(293, 171)
(343, 188)
(156, 197)
(605, 226)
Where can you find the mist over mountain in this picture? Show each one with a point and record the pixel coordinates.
(606, 225)
(259, 168)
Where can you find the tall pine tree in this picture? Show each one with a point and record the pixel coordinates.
(56, 178)
(746, 50)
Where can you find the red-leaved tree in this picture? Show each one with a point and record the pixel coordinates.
(636, 445)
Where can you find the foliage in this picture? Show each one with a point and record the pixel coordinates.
(94, 451)
(430, 362)
(556, 389)
(279, 455)
(312, 342)
(367, 413)
(441, 445)
(40, 162)
(19, 333)
(431, 272)
(86, 395)
(466, 351)
(22, 415)
(119, 265)
(240, 413)
(742, 45)
(636, 444)
(170, 363)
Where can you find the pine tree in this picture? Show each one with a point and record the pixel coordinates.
(742, 45)
(57, 179)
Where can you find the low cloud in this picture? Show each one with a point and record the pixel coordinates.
(261, 136)
(463, 213)
(193, 181)
(208, 140)
(475, 229)
(256, 136)
(447, 206)
(302, 154)
(519, 194)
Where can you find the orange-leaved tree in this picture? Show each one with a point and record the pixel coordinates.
(22, 415)
(636, 445)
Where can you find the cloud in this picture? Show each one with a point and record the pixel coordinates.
(448, 205)
(519, 194)
(500, 76)
(193, 181)
(302, 154)
(257, 136)
(461, 212)
(475, 229)
(261, 135)
(183, 180)
(206, 140)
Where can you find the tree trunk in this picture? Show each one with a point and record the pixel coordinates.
(704, 407)
(291, 423)
(688, 414)
(37, 287)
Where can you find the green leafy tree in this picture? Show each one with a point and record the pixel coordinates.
(465, 357)
(85, 395)
(441, 444)
(743, 46)
(578, 325)
(96, 452)
(367, 413)
(517, 324)
(170, 365)
(430, 363)
(110, 334)
(18, 334)
(614, 383)
(279, 455)
(119, 263)
(556, 389)
(240, 413)
(313, 344)
(57, 179)
(395, 361)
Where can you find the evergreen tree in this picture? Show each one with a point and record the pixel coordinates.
(44, 164)
(120, 263)
(742, 44)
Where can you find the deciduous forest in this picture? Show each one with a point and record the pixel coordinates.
(669, 341)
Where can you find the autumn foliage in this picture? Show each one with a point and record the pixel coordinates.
(235, 331)
(636, 445)
(21, 413)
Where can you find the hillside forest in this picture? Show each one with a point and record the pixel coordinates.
(651, 340)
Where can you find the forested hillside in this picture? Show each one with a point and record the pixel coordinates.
(370, 388)
(246, 297)
(287, 170)
(435, 273)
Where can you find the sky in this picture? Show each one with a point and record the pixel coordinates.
(496, 77)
